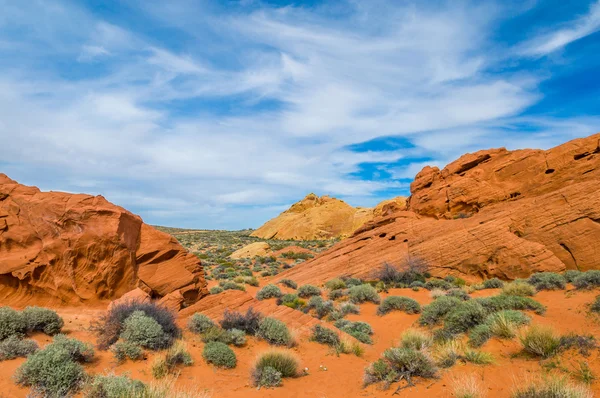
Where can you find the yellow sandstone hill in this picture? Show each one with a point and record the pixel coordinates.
(323, 218)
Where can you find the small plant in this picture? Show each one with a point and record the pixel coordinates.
(219, 354)
(503, 324)
(399, 363)
(438, 284)
(291, 301)
(551, 387)
(289, 283)
(12, 323)
(215, 290)
(13, 347)
(77, 350)
(236, 337)
(507, 302)
(124, 349)
(459, 294)
(493, 283)
(399, 303)
(361, 331)
(584, 344)
(571, 274)
(249, 322)
(587, 280)
(274, 332)
(446, 354)
(43, 320)
(363, 293)
(540, 341)
(306, 291)
(335, 284)
(548, 281)
(113, 386)
(267, 292)
(166, 364)
(433, 313)
(281, 362)
(416, 339)
(479, 335)
(337, 294)
(467, 387)
(519, 289)
(478, 357)
(321, 307)
(144, 331)
(464, 317)
(200, 323)
(325, 336)
(595, 307)
(230, 285)
(348, 346)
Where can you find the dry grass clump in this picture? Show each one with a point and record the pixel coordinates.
(467, 386)
(540, 341)
(551, 386)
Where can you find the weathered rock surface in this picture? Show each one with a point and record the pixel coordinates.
(315, 218)
(75, 248)
(252, 250)
(492, 213)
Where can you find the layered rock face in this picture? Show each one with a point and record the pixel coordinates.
(323, 217)
(252, 250)
(493, 213)
(75, 248)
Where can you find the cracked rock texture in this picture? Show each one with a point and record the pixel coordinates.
(494, 213)
(66, 248)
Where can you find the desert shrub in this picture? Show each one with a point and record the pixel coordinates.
(267, 292)
(125, 349)
(456, 281)
(361, 331)
(51, 372)
(306, 291)
(584, 373)
(236, 337)
(503, 324)
(325, 336)
(416, 339)
(387, 273)
(144, 331)
(335, 284)
(587, 280)
(289, 283)
(215, 290)
(397, 363)
(438, 284)
(342, 310)
(43, 320)
(583, 343)
(271, 366)
(478, 357)
(571, 274)
(110, 325)
(437, 293)
(351, 281)
(433, 313)
(230, 337)
(12, 323)
(507, 302)
(417, 284)
(493, 283)
(459, 294)
(274, 332)
(518, 289)
(291, 301)
(13, 347)
(321, 307)
(200, 323)
(250, 280)
(230, 285)
(540, 341)
(113, 386)
(551, 387)
(447, 353)
(363, 293)
(479, 335)
(464, 317)
(337, 294)
(219, 354)
(167, 363)
(398, 303)
(249, 322)
(77, 350)
(548, 281)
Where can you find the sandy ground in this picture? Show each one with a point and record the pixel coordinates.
(567, 312)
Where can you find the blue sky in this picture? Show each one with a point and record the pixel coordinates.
(220, 114)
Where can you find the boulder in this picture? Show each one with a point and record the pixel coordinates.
(252, 250)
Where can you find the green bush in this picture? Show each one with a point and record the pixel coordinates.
(399, 303)
(459, 294)
(324, 335)
(291, 301)
(352, 281)
(200, 323)
(416, 339)
(337, 294)
(507, 302)
(13, 347)
(464, 317)
(447, 353)
(52, 372)
(43, 320)
(289, 283)
(504, 323)
(230, 337)
(306, 291)
(283, 365)
(587, 280)
(595, 307)
(335, 284)
(571, 274)
(548, 281)
(518, 289)
(540, 341)
(113, 386)
(144, 331)
(363, 293)
(267, 292)
(438, 284)
(219, 354)
(229, 285)
(125, 349)
(493, 283)
(321, 307)
(274, 332)
(216, 290)
(78, 350)
(433, 313)
(12, 323)
(397, 363)
(361, 331)
(479, 335)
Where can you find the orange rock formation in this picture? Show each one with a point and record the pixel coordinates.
(76, 248)
(492, 213)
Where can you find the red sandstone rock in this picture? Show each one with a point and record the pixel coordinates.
(76, 248)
